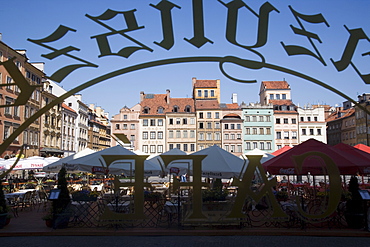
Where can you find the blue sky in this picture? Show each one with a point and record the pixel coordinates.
(37, 19)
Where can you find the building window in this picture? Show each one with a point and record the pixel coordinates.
(145, 122)
(217, 115)
(268, 119)
(132, 138)
(226, 126)
(178, 134)
(192, 133)
(184, 121)
(201, 125)
(285, 120)
(188, 108)
(254, 131)
(247, 131)
(160, 134)
(7, 132)
(117, 126)
(178, 121)
(286, 135)
(268, 131)
(268, 145)
(170, 146)
(294, 121)
(145, 149)
(232, 126)
(209, 114)
(271, 96)
(319, 132)
(212, 93)
(192, 147)
(209, 125)
(152, 135)
(232, 148)
(283, 96)
(227, 148)
(132, 126)
(311, 132)
(146, 110)
(239, 148)
(185, 134)
(226, 136)
(205, 93)
(248, 145)
(309, 119)
(199, 93)
(200, 114)
(171, 121)
(16, 111)
(217, 136)
(247, 118)
(145, 135)
(201, 136)
(278, 120)
(277, 96)
(232, 136)
(209, 136)
(125, 116)
(160, 110)
(238, 136)
(160, 149)
(175, 108)
(239, 126)
(302, 119)
(152, 149)
(255, 145)
(160, 122)
(278, 146)
(170, 134)
(178, 146)
(261, 118)
(262, 145)
(315, 119)
(125, 126)
(254, 118)
(185, 147)
(294, 134)
(262, 132)
(304, 132)
(192, 121)
(278, 135)
(217, 125)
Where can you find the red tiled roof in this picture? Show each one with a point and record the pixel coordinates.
(344, 114)
(232, 115)
(232, 106)
(276, 84)
(181, 103)
(206, 104)
(205, 83)
(160, 100)
(67, 107)
(281, 102)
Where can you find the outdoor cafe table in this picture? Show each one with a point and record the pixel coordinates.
(18, 194)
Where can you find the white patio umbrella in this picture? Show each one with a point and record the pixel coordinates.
(57, 164)
(265, 156)
(180, 166)
(25, 164)
(219, 163)
(95, 162)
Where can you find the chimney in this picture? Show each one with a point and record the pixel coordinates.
(234, 98)
(142, 96)
(168, 96)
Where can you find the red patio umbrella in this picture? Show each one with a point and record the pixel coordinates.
(281, 150)
(315, 165)
(364, 166)
(363, 147)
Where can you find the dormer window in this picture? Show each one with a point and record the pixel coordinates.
(188, 108)
(146, 110)
(160, 110)
(175, 109)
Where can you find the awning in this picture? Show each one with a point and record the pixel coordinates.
(51, 150)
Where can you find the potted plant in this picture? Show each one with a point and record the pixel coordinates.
(354, 212)
(216, 193)
(3, 207)
(48, 218)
